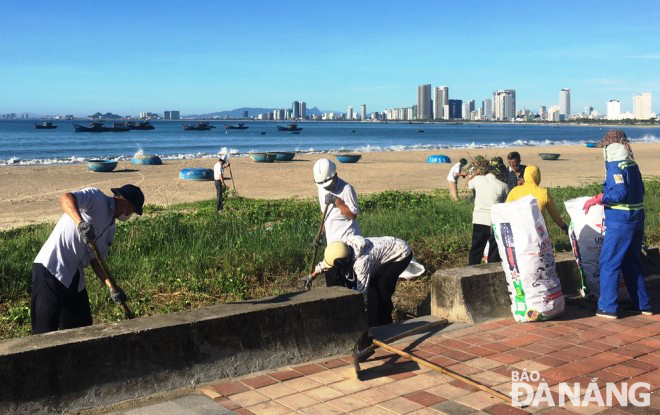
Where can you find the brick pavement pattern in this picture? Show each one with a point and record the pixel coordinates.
(578, 347)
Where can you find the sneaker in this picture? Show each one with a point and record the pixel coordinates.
(631, 310)
(601, 313)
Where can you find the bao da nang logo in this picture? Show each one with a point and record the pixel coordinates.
(624, 394)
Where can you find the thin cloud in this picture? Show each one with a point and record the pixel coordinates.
(653, 55)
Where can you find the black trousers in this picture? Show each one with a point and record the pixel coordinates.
(480, 235)
(219, 190)
(54, 307)
(380, 290)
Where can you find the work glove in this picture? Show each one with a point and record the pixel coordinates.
(307, 282)
(596, 200)
(564, 228)
(86, 231)
(330, 199)
(118, 296)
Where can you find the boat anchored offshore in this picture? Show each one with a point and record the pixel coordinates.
(93, 127)
(141, 125)
(200, 126)
(290, 127)
(45, 125)
(239, 126)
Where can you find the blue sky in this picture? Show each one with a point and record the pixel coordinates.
(203, 56)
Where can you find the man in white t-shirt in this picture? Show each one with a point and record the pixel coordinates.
(452, 178)
(488, 190)
(59, 296)
(219, 180)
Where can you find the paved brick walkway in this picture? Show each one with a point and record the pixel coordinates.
(578, 348)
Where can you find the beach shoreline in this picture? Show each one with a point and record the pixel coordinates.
(31, 192)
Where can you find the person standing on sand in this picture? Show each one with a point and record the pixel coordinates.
(516, 170)
(341, 219)
(219, 180)
(623, 197)
(452, 178)
(59, 296)
(488, 190)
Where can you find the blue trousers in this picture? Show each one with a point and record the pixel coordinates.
(621, 253)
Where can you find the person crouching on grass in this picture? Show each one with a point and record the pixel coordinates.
(371, 266)
(59, 296)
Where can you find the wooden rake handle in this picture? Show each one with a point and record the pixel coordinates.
(444, 371)
(107, 277)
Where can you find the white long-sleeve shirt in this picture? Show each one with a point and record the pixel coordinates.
(337, 226)
(369, 254)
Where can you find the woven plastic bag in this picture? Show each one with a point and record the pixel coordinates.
(528, 260)
(587, 233)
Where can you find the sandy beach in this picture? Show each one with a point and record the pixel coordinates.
(30, 194)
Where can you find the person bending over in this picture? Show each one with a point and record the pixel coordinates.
(59, 296)
(371, 266)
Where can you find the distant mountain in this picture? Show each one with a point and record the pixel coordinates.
(252, 112)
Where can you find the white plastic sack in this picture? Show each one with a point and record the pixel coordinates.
(528, 260)
(413, 270)
(587, 233)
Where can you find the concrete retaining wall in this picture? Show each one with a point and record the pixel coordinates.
(107, 363)
(479, 292)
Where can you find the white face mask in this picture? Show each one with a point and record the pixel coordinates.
(124, 217)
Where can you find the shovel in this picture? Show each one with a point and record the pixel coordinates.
(377, 343)
(107, 277)
(310, 279)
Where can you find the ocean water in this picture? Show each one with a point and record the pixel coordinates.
(22, 144)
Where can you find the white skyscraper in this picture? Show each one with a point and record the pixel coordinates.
(363, 111)
(642, 107)
(565, 102)
(424, 102)
(614, 110)
(302, 109)
(488, 108)
(504, 101)
(349, 113)
(440, 99)
(543, 112)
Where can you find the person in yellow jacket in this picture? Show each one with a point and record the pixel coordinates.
(531, 187)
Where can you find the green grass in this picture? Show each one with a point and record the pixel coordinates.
(188, 256)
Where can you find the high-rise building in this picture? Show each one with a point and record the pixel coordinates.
(302, 110)
(424, 102)
(455, 108)
(613, 110)
(245, 114)
(565, 102)
(466, 111)
(471, 106)
(363, 111)
(587, 110)
(488, 108)
(295, 109)
(445, 111)
(642, 107)
(349, 113)
(171, 115)
(440, 98)
(543, 112)
(504, 104)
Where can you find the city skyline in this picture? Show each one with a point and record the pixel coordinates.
(152, 57)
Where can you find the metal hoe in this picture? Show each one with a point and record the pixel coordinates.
(107, 277)
(377, 343)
